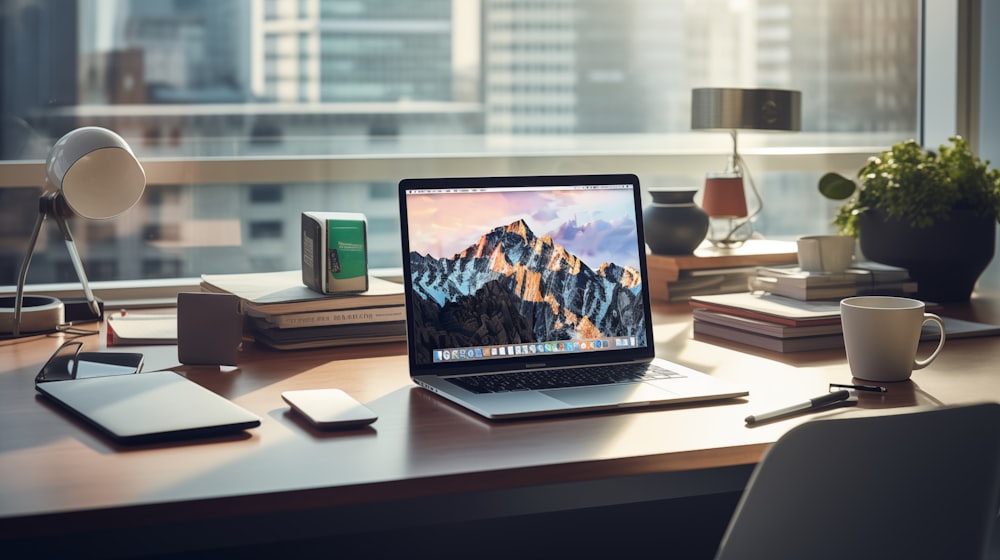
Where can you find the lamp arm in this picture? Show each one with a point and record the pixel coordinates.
(51, 203)
(23, 275)
(735, 161)
(745, 171)
(74, 257)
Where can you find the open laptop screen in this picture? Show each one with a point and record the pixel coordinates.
(502, 272)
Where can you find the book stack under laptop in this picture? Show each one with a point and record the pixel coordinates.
(282, 313)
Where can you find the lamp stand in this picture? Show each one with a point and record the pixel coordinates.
(733, 230)
(52, 204)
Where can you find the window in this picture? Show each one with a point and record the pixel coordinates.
(161, 268)
(266, 194)
(265, 230)
(246, 113)
(99, 234)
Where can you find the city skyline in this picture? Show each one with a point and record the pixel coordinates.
(268, 79)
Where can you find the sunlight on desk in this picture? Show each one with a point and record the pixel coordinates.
(669, 330)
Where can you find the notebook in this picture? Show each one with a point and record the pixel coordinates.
(527, 296)
(146, 407)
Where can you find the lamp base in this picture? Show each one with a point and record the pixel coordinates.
(729, 233)
(38, 314)
(728, 243)
(78, 310)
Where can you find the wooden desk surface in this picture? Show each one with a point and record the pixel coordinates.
(57, 475)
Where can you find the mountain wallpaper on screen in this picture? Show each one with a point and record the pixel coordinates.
(512, 287)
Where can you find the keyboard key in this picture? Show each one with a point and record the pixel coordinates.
(560, 378)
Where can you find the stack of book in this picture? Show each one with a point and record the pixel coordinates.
(714, 270)
(698, 282)
(772, 322)
(864, 278)
(783, 324)
(282, 313)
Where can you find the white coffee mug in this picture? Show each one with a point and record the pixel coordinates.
(825, 253)
(881, 335)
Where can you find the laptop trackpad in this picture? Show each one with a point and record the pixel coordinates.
(630, 393)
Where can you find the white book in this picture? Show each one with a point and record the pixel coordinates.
(337, 317)
(277, 293)
(139, 328)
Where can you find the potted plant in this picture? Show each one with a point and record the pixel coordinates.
(933, 213)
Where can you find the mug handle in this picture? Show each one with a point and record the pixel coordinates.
(931, 318)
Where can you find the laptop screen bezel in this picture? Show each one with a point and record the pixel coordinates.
(634, 354)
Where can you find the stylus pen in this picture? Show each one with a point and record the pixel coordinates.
(873, 388)
(811, 404)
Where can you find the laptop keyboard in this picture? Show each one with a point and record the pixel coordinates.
(559, 378)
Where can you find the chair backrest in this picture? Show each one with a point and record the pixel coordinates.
(921, 484)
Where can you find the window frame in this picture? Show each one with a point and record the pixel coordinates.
(948, 83)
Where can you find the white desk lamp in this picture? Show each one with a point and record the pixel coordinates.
(95, 175)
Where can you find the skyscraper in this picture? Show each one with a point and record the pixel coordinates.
(372, 51)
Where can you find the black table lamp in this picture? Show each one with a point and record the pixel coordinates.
(732, 109)
(90, 172)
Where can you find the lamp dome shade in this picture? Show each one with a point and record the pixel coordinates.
(96, 172)
(746, 109)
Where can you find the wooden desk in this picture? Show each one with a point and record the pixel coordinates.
(424, 463)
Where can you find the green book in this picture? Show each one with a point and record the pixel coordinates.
(335, 252)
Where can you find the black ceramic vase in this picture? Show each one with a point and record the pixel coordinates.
(673, 223)
(945, 259)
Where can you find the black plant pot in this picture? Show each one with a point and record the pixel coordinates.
(945, 259)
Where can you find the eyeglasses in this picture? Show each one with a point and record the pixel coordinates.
(68, 362)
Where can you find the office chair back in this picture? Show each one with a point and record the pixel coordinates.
(910, 485)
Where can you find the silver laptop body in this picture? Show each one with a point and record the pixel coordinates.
(522, 292)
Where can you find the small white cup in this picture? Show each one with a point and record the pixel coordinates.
(881, 335)
(825, 253)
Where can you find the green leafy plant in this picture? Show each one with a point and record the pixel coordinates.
(917, 186)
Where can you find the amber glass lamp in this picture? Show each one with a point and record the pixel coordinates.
(724, 196)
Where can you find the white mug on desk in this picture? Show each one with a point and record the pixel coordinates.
(881, 335)
(825, 253)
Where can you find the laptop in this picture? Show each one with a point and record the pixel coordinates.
(527, 296)
(149, 407)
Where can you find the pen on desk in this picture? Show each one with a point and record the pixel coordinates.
(811, 404)
(873, 388)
